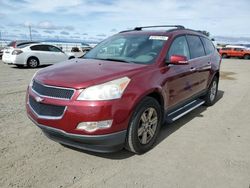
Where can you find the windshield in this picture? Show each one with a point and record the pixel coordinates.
(142, 49)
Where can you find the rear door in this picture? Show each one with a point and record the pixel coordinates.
(200, 64)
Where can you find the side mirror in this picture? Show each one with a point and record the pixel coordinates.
(178, 60)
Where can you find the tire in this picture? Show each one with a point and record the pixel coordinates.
(224, 56)
(32, 62)
(210, 97)
(247, 56)
(71, 57)
(143, 130)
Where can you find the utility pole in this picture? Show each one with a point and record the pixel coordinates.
(30, 33)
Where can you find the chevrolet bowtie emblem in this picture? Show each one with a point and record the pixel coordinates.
(39, 99)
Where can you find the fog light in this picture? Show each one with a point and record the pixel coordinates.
(95, 125)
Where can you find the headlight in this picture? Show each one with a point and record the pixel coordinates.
(107, 91)
(32, 79)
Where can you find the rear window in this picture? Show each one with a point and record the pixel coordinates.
(196, 46)
(209, 47)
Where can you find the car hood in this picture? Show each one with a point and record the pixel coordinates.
(82, 73)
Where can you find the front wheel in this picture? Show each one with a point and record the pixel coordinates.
(246, 56)
(210, 97)
(144, 126)
(71, 57)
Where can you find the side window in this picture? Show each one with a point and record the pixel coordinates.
(179, 47)
(238, 49)
(39, 48)
(209, 47)
(196, 47)
(36, 48)
(53, 49)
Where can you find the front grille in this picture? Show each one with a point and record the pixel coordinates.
(51, 91)
(48, 110)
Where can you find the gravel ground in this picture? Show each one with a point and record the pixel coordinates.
(210, 147)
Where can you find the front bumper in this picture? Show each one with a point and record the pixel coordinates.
(97, 143)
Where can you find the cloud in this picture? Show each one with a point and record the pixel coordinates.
(51, 6)
(34, 31)
(49, 31)
(50, 26)
(101, 35)
(64, 33)
(92, 17)
(113, 30)
(75, 37)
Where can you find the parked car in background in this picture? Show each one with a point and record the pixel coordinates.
(80, 52)
(1, 51)
(75, 49)
(239, 51)
(33, 55)
(15, 44)
(121, 92)
(86, 49)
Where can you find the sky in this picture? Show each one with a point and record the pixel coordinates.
(98, 19)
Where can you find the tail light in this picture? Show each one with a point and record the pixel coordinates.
(17, 52)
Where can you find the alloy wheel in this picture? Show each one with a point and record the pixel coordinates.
(147, 125)
(213, 91)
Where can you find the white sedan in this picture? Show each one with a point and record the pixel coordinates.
(34, 55)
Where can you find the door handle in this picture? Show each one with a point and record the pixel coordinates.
(192, 69)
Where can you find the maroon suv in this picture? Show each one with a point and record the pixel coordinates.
(121, 92)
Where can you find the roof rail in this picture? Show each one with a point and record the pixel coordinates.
(176, 26)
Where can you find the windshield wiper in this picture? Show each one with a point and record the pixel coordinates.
(120, 60)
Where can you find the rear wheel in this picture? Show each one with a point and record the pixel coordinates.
(32, 62)
(144, 126)
(210, 97)
(247, 56)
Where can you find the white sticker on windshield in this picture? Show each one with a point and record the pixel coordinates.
(158, 38)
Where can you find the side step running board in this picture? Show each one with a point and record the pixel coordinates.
(173, 116)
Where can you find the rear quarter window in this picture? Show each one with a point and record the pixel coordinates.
(195, 46)
(208, 45)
